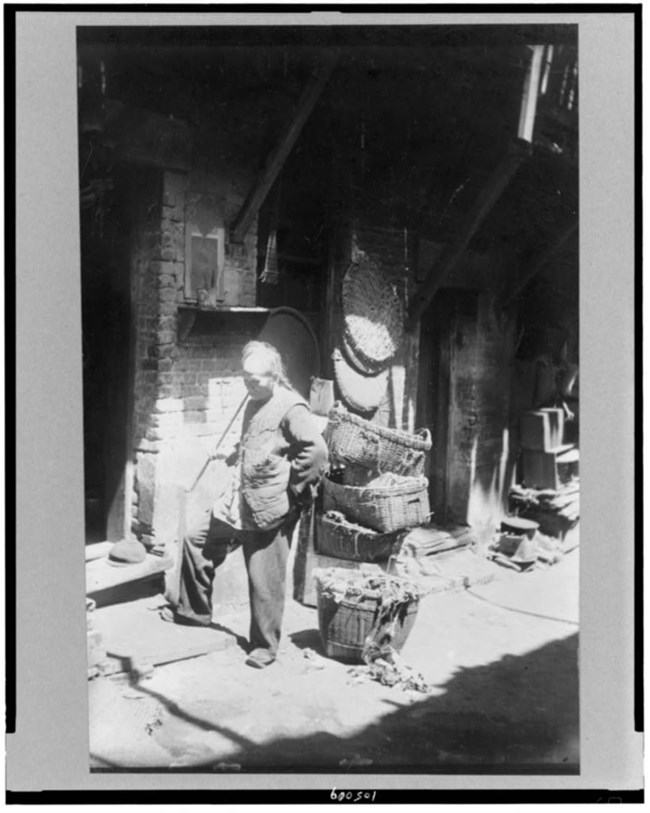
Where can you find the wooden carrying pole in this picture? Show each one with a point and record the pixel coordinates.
(218, 444)
(279, 154)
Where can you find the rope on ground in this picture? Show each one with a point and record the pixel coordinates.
(442, 575)
(523, 612)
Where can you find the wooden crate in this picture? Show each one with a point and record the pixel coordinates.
(542, 429)
(549, 469)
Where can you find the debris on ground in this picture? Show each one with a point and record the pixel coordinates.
(549, 550)
(430, 540)
(355, 762)
(390, 670)
(556, 511)
(227, 766)
(507, 549)
(151, 726)
(384, 665)
(315, 661)
(442, 572)
(503, 560)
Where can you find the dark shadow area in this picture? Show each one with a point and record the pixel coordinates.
(117, 212)
(144, 587)
(308, 639)
(518, 715)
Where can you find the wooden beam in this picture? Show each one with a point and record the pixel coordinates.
(539, 262)
(484, 203)
(530, 94)
(490, 193)
(280, 152)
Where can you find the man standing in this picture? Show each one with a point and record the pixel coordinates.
(275, 468)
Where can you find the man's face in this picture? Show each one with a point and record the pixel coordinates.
(258, 379)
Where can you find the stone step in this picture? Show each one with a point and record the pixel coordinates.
(108, 583)
(135, 638)
(96, 550)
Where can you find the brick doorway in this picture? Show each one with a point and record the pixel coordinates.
(107, 337)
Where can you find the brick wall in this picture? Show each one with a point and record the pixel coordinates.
(184, 392)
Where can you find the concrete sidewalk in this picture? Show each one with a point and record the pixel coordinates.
(504, 697)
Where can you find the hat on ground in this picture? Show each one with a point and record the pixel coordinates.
(127, 552)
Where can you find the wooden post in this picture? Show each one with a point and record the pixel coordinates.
(279, 154)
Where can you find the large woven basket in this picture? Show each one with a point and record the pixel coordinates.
(372, 313)
(344, 626)
(355, 441)
(346, 540)
(382, 508)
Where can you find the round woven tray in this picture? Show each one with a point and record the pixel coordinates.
(372, 314)
(357, 361)
(361, 392)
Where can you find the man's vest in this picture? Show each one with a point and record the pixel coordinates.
(265, 468)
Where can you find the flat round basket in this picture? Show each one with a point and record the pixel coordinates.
(361, 392)
(293, 337)
(360, 364)
(372, 314)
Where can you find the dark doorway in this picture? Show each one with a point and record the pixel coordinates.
(107, 367)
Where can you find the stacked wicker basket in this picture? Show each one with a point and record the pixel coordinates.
(383, 492)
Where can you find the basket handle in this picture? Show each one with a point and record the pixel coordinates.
(356, 543)
(409, 458)
(426, 434)
(335, 516)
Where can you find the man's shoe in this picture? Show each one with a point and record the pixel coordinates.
(260, 658)
(171, 616)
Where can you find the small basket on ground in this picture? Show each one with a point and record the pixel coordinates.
(388, 503)
(353, 608)
(346, 540)
(358, 442)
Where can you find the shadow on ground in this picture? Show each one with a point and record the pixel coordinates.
(516, 715)
(308, 639)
